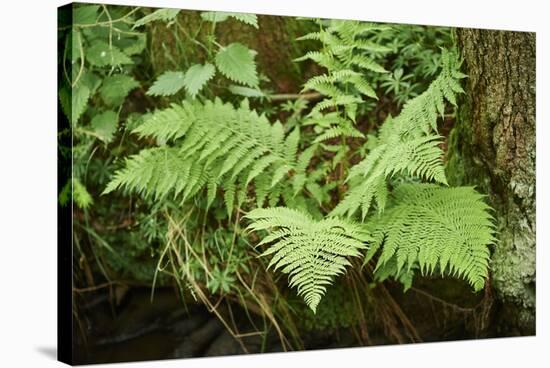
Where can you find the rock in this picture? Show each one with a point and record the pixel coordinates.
(199, 340)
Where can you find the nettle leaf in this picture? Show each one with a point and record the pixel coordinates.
(136, 46)
(115, 88)
(85, 14)
(215, 17)
(101, 54)
(166, 15)
(79, 101)
(197, 76)
(167, 84)
(90, 80)
(104, 125)
(65, 100)
(75, 45)
(236, 62)
(74, 104)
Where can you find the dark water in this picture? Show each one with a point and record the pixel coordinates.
(139, 329)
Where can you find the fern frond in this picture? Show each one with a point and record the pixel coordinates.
(407, 144)
(339, 131)
(211, 145)
(341, 100)
(365, 62)
(325, 59)
(346, 64)
(311, 252)
(436, 228)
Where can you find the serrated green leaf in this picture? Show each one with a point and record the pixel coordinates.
(166, 15)
(65, 100)
(115, 88)
(137, 46)
(215, 17)
(236, 62)
(76, 45)
(104, 125)
(197, 76)
(86, 14)
(90, 80)
(101, 54)
(167, 84)
(74, 103)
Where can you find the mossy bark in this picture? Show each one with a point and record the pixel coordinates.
(492, 146)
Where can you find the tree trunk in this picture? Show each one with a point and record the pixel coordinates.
(492, 146)
(276, 48)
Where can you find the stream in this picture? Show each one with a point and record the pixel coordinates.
(138, 329)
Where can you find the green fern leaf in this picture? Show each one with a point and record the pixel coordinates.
(406, 145)
(436, 228)
(311, 252)
(208, 146)
(343, 84)
(236, 62)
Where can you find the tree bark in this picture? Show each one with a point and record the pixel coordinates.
(492, 146)
(276, 48)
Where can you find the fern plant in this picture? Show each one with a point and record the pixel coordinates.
(211, 150)
(214, 145)
(347, 54)
(426, 226)
(437, 229)
(408, 144)
(311, 252)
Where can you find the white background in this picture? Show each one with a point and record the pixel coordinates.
(28, 243)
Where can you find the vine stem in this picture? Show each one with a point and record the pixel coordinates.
(311, 96)
(105, 23)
